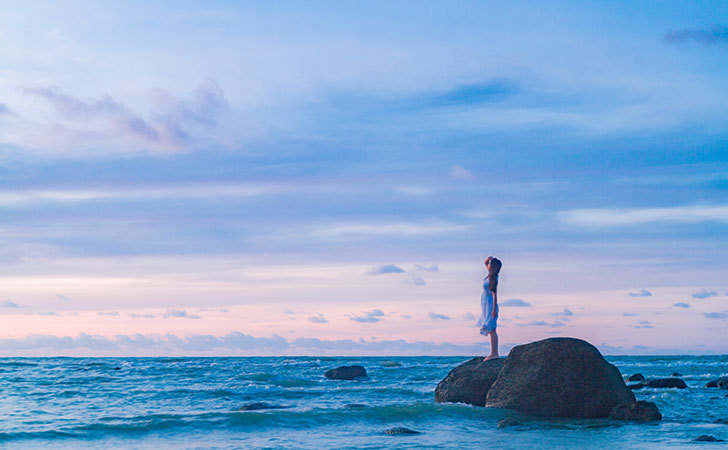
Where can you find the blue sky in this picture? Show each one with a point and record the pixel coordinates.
(336, 173)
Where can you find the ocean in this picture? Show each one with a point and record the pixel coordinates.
(193, 403)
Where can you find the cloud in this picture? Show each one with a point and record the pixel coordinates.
(565, 314)
(288, 311)
(436, 316)
(235, 343)
(715, 315)
(389, 268)
(431, 268)
(368, 317)
(623, 217)
(643, 324)
(642, 293)
(681, 305)
(468, 316)
(460, 173)
(48, 313)
(170, 126)
(542, 323)
(108, 313)
(418, 281)
(717, 34)
(704, 294)
(515, 302)
(630, 314)
(405, 316)
(9, 304)
(4, 109)
(63, 297)
(318, 319)
(142, 316)
(179, 313)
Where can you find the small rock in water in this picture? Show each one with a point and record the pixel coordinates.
(356, 405)
(676, 374)
(260, 405)
(636, 377)
(722, 421)
(640, 411)
(346, 373)
(509, 422)
(721, 382)
(707, 438)
(635, 386)
(400, 430)
(665, 383)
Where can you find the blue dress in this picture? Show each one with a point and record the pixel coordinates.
(487, 322)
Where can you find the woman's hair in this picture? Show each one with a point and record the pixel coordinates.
(495, 267)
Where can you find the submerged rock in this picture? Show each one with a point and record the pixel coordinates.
(722, 421)
(676, 374)
(640, 411)
(356, 405)
(346, 373)
(665, 383)
(707, 438)
(469, 382)
(400, 430)
(509, 422)
(721, 382)
(636, 386)
(636, 377)
(559, 377)
(260, 405)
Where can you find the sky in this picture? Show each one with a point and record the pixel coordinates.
(297, 178)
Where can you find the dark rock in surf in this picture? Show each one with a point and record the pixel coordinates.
(346, 373)
(722, 421)
(509, 422)
(640, 411)
(636, 377)
(707, 438)
(390, 364)
(259, 406)
(356, 405)
(400, 430)
(721, 383)
(559, 377)
(469, 382)
(676, 374)
(636, 386)
(665, 383)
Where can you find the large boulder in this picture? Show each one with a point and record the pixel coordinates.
(346, 373)
(559, 377)
(469, 382)
(640, 411)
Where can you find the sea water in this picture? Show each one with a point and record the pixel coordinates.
(194, 402)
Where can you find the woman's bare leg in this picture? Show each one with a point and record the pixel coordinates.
(493, 346)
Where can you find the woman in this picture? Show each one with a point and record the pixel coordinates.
(489, 305)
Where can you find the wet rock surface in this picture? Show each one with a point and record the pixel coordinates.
(559, 377)
(469, 382)
(640, 411)
(346, 373)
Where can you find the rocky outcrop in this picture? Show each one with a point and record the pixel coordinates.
(707, 438)
(509, 422)
(636, 377)
(469, 382)
(665, 383)
(640, 411)
(721, 382)
(346, 373)
(559, 377)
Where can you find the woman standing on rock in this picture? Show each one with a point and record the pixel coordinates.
(489, 305)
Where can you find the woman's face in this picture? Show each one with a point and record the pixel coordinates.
(487, 264)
